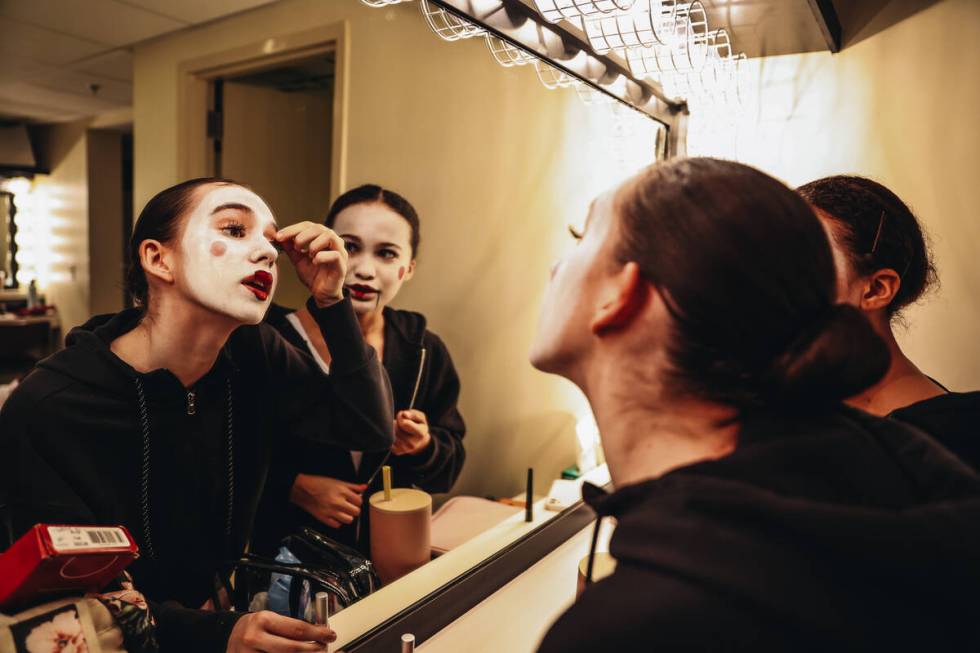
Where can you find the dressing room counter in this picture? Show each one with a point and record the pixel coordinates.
(516, 617)
(526, 606)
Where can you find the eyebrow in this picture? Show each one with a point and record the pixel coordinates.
(232, 205)
(240, 207)
(358, 239)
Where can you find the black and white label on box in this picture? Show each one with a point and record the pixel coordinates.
(80, 538)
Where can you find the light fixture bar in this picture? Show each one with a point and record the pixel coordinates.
(607, 73)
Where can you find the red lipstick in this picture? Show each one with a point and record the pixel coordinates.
(260, 283)
(361, 291)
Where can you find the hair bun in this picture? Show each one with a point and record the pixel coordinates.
(836, 358)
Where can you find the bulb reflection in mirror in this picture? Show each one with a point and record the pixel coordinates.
(446, 25)
(506, 54)
(556, 10)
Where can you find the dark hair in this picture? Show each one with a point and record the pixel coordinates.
(746, 271)
(371, 193)
(159, 220)
(876, 230)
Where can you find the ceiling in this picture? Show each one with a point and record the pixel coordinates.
(62, 60)
(765, 28)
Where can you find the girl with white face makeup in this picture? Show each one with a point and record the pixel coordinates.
(163, 417)
(380, 230)
(754, 510)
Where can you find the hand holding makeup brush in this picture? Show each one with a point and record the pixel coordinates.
(411, 432)
(320, 259)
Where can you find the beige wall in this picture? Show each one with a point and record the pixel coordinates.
(105, 218)
(496, 166)
(78, 212)
(900, 106)
(280, 143)
(61, 207)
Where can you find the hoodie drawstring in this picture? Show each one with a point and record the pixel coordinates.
(144, 417)
(145, 472)
(595, 541)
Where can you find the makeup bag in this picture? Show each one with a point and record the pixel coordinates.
(309, 563)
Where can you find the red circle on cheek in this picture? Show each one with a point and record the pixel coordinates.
(401, 273)
(218, 248)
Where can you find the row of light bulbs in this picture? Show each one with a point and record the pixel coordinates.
(668, 41)
(450, 27)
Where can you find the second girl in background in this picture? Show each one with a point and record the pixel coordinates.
(327, 485)
(883, 267)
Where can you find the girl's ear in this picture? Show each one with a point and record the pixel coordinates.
(880, 289)
(410, 270)
(157, 260)
(628, 295)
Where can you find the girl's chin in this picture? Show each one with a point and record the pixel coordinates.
(363, 307)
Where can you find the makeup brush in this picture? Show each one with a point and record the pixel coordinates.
(411, 405)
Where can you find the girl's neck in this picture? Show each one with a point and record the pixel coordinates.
(902, 385)
(645, 440)
(185, 340)
(372, 323)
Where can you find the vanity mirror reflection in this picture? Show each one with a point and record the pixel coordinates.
(304, 100)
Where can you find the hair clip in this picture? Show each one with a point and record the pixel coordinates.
(881, 222)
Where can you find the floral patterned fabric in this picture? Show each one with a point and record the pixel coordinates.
(114, 621)
(131, 613)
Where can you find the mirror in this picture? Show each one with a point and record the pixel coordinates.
(305, 100)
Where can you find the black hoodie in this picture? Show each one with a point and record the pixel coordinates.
(84, 433)
(430, 378)
(952, 418)
(842, 532)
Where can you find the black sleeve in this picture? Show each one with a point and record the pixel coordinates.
(350, 408)
(31, 490)
(436, 468)
(185, 629)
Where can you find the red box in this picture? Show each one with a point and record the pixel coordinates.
(53, 559)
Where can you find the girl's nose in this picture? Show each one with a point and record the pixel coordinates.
(265, 252)
(362, 270)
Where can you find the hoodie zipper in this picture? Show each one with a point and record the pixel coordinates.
(191, 406)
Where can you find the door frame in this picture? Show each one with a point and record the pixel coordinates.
(194, 156)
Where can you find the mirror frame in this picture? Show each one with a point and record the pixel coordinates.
(447, 602)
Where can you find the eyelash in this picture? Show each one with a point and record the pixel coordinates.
(577, 235)
(386, 254)
(237, 230)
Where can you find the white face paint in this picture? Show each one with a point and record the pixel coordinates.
(228, 260)
(379, 248)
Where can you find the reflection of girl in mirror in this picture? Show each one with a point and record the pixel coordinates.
(381, 231)
(883, 266)
(162, 417)
(754, 510)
